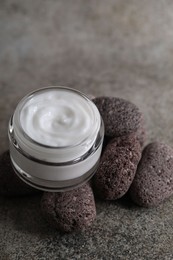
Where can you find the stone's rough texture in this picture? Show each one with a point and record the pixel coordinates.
(120, 121)
(141, 135)
(10, 184)
(70, 211)
(120, 116)
(117, 167)
(153, 182)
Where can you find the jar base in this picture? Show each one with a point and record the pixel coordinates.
(54, 186)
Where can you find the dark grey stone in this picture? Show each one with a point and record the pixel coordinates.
(117, 167)
(153, 182)
(120, 116)
(71, 210)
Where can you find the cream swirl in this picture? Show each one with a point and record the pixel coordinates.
(57, 118)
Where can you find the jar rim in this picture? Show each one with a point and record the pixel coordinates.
(25, 99)
(25, 141)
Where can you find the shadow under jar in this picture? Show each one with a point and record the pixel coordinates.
(55, 138)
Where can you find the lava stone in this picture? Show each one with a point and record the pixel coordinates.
(10, 183)
(153, 182)
(141, 134)
(117, 167)
(120, 116)
(69, 211)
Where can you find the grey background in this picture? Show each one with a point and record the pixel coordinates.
(119, 48)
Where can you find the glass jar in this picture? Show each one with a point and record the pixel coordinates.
(55, 138)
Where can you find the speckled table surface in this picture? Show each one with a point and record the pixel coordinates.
(114, 47)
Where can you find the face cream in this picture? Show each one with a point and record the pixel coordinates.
(56, 137)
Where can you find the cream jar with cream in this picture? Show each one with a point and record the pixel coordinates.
(56, 136)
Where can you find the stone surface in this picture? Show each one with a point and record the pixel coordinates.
(10, 184)
(153, 182)
(114, 48)
(117, 167)
(70, 211)
(141, 134)
(120, 116)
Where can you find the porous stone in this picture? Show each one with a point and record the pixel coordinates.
(10, 183)
(141, 135)
(117, 167)
(69, 211)
(153, 182)
(120, 116)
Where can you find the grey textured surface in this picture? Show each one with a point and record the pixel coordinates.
(113, 47)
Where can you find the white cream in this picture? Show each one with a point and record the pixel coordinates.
(57, 118)
(56, 137)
